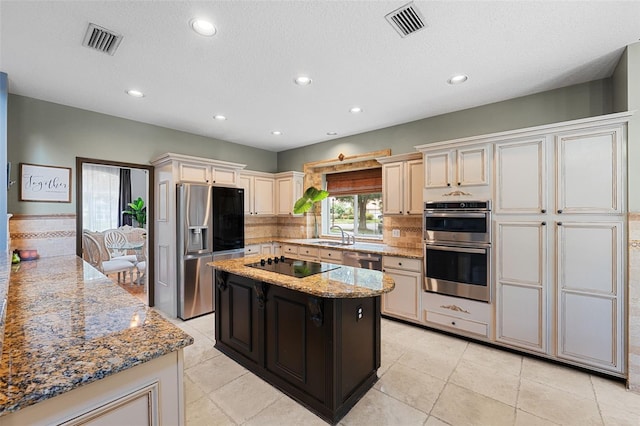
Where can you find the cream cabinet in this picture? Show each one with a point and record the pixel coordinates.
(259, 193)
(252, 249)
(522, 284)
(462, 316)
(402, 184)
(330, 255)
(589, 293)
(289, 188)
(308, 253)
(404, 301)
(206, 173)
(460, 167)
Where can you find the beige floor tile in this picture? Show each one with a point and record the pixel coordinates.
(616, 417)
(527, 419)
(389, 353)
(377, 408)
(558, 376)
(434, 356)
(214, 373)
(433, 421)
(494, 358)
(204, 325)
(244, 397)
(285, 411)
(192, 392)
(204, 412)
(460, 406)
(614, 395)
(412, 387)
(557, 405)
(201, 350)
(487, 381)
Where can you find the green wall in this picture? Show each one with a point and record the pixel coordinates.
(568, 103)
(46, 133)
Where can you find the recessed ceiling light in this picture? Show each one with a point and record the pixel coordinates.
(457, 79)
(303, 80)
(135, 93)
(355, 110)
(220, 117)
(332, 133)
(203, 27)
(276, 132)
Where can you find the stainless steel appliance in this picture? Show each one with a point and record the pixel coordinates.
(362, 260)
(210, 226)
(457, 248)
(292, 267)
(195, 249)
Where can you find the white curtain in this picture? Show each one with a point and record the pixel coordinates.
(100, 194)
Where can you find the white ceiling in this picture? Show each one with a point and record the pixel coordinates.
(246, 71)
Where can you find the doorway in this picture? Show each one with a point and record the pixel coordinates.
(82, 202)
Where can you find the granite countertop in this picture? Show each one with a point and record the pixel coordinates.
(68, 325)
(5, 262)
(360, 246)
(343, 282)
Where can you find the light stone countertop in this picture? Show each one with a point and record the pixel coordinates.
(360, 246)
(68, 325)
(343, 282)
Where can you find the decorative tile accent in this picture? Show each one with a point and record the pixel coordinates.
(50, 235)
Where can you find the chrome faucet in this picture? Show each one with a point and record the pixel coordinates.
(346, 237)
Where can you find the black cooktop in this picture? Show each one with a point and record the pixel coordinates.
(292, 267)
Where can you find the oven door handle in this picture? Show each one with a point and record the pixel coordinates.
(465, 215)
(457, 249)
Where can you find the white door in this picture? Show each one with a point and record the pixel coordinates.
(263, 196)
(472, 166)
(437, 169)
(393, 180)
(413, 186)
(403, 301)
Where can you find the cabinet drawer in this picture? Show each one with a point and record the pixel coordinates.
(404, 263)
(308, 251)
(456, 307)
(252, 249)
(458, 323)
(289, 249)
(333, 256)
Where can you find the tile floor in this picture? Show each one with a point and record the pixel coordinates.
(426, 378)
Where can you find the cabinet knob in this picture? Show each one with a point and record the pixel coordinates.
(453, 323)
(399, 263)
(458, 183)
(544, 223)
(559, 211)
(400, 212)
(448, 184)
(559, 223)
(543, 211)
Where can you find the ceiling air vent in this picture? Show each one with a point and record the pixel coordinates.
(101, 39)
(406, 20)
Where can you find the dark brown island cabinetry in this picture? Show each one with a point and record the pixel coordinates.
(323, 352)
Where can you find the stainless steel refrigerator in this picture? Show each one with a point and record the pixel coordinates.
(195, 249)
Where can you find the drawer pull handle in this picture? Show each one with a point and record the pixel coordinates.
(399, 263)
(454, 308)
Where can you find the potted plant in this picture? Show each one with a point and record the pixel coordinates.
(138, 210)
(310, 197)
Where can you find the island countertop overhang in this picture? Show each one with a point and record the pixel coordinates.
(343, 282)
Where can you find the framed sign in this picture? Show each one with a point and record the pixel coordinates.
(45, 183)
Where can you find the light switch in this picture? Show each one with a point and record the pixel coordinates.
(395, 233)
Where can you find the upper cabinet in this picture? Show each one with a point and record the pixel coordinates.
(289, 188)
(192, 171)
(259, 193)
(454, 169)
(402, 182)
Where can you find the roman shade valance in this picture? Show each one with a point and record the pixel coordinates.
(366, 181)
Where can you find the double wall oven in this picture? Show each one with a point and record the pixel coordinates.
(457, 248)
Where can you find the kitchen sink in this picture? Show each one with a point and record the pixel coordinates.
(328, 243)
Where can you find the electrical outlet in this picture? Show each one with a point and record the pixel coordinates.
(359, 313)
(395, 233)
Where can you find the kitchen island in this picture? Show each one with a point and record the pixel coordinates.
(77, 348)
(315, 338)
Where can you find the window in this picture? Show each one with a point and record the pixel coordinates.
(354, 203)
(100, 195)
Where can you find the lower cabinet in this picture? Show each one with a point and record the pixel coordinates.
(322, 352)
(463, 316)
(404, 301)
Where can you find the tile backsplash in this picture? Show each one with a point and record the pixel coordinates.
(51, 235)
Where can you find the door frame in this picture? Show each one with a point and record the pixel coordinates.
(80, 162)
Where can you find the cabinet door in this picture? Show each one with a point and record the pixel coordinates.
(437, 169)
(589, 293)
(266, 249)
(222, 176)
(392, 193)
(472, 166)
(251, 249)
(194, 172)
(589, 168)
(414, 183)
(239, 316)
(246, 182)
(284, 195)
(521, 294)
(521, 177)
(263, 196)
(404, 300)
